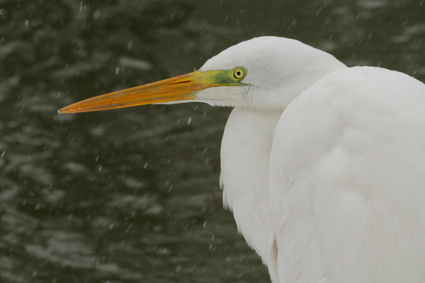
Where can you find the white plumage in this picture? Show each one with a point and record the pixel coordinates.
(348, 180)
(323, 166)
(332, 189)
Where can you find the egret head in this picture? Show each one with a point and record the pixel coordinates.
(276, 71)
(262, 73)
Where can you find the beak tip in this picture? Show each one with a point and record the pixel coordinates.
(65, 110)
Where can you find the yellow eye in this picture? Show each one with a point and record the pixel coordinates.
(239, 73)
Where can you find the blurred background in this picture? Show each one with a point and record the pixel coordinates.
(132, 195)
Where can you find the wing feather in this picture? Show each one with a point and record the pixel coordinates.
(347, 177)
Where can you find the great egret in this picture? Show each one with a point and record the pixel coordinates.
(323, 166)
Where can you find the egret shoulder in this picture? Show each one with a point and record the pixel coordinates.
(347, 180)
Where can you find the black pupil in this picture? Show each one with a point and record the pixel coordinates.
(238, 73)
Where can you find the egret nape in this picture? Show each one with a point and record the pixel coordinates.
(322, 165)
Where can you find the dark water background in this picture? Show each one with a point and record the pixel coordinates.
(132, 195)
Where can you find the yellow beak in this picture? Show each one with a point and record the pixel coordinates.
(183, 87)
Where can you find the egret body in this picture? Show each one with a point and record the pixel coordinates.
(322, 165)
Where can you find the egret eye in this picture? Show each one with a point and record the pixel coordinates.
(239, 73)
